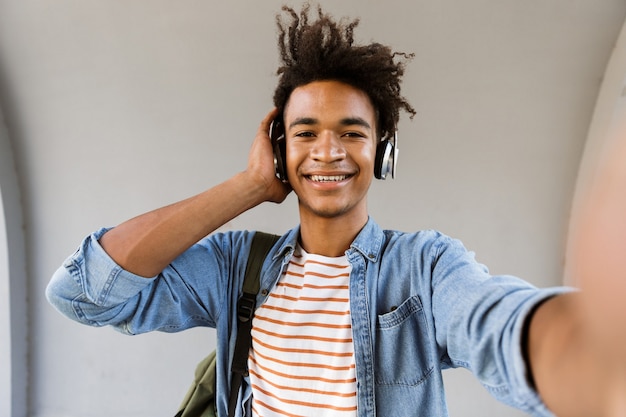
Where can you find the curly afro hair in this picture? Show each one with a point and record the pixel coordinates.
(325, 50)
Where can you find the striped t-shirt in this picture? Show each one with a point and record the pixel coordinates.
(302, 357)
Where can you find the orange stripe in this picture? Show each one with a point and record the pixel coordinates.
(298, 311)
(302, 337)
(312, 351)
(289, 285)
(305, 404)
(317, 287)
(302, 378)
(311, 261)
(274, 409)
(327, 287)
(305, 364)
(336, 266)
(312, 391)
(316, 299)
(316, 274)
(303, 324)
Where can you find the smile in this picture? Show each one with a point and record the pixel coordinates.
(327, 178)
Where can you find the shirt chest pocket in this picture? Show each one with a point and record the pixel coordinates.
(404, 352)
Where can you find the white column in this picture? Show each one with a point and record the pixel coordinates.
(13, 309)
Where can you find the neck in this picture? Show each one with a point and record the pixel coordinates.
(330, 236)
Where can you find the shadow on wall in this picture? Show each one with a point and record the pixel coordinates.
(13, 311)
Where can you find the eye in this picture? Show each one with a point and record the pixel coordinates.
(354, 134)
(304, 134)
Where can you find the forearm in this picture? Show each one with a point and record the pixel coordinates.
(573, 371)
(146, 244)
(556, 357)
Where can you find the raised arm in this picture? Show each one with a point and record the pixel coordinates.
(577, 343)
(146, 244)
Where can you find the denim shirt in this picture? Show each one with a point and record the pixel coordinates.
(420, 303)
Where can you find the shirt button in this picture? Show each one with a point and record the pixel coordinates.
(371, 256)
(264, 292)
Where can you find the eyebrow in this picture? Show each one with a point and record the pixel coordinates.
(346, 121)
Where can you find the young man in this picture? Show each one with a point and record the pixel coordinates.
(351, 319)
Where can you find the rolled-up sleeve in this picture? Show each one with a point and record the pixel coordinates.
(92, 289)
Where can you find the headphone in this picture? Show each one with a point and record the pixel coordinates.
(384, 163)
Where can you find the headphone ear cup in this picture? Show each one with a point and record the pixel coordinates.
(383, 164)
(280, 158)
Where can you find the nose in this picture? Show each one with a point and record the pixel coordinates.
(328, 147)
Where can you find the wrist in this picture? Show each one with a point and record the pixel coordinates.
(253, 188)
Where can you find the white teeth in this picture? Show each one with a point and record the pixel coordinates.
(328, 178)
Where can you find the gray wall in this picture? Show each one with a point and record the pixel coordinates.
(114, 108)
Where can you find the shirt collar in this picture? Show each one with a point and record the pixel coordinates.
(368, 241)
(287, 244)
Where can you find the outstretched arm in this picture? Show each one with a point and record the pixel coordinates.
(146, 244)
(577, 343)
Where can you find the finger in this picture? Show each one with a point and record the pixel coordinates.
(267, 121)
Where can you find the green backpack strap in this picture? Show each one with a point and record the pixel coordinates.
(200, 398)
(261, 245)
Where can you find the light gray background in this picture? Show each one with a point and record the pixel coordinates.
(113, 108)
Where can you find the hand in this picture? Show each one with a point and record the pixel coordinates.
(261, 163)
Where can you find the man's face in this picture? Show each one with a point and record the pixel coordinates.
(330, 148)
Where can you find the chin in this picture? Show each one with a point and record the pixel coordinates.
(329, 212)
